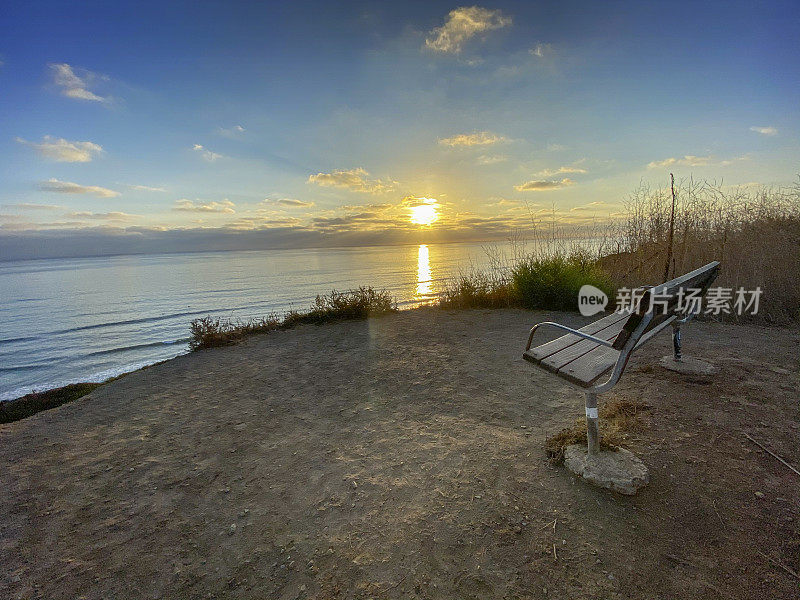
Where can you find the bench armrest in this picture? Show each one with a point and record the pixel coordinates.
(586, 336)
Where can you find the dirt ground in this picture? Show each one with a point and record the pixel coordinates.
(400, 458)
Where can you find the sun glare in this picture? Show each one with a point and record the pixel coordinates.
(424, 214)
(423, 271)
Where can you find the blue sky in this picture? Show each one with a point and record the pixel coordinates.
(292, 123)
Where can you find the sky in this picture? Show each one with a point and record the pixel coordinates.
(168, 126)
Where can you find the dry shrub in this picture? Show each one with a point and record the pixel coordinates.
(753, 232)
(617, 418)
(336, 306)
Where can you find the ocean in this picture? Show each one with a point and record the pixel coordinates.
(87, 319)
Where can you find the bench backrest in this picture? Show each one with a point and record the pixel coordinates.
(664, 301)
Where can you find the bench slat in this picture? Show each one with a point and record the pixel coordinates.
(590, 366)
(565, 341)
(559, 360)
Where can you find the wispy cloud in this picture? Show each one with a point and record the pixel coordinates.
(107, 216)
(540, 185)
(226, 206)
(61, 150)
(31, 206)
(356, 180)
(486, 159)
(597, 205)
(207, 154)
(694, 161)
(479, 138)
(146, 188)
(541, 50)
(497, 201)
(289, 202)
(765, 130)
(414, 201)
(67, 187)
(463, 24)
(559, 171)
(233, 133)
(73, 85)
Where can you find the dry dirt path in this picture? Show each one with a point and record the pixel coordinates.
(402, 457)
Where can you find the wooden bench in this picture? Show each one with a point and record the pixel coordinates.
(585, 355)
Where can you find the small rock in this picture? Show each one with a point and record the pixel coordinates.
(232, 529)
(759, 494)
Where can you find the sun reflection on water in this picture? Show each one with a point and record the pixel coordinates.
(423, 271)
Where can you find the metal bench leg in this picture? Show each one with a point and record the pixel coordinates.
(676, 341)
(592, 434)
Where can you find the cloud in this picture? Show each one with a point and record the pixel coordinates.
(592, 206)
(463, 24)
(28, 206)
(207, 154)
(233, 133)
(146, 188)
(497, 201)
(108, 216)
(686, 161)
(412, 201)
(73, 85)
(365, 207)
(226, 206)
(694, 161)
(67, 187)
(61, 150)
(356, 180)
(542, 185)
(765, 130)
(250, 223)
(290, 202)
(541, 50)
(479, 138)
(486, 159)
(559, 171)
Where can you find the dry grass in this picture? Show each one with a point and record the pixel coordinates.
(618, 418)
(337, 306)
(753, 232)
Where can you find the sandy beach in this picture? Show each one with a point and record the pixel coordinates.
(403, 457)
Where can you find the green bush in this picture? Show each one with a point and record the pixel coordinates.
(478, 291)
(553, 282)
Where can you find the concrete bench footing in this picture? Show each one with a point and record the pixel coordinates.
(618, 470)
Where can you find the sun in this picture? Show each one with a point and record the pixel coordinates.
(424, 214)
